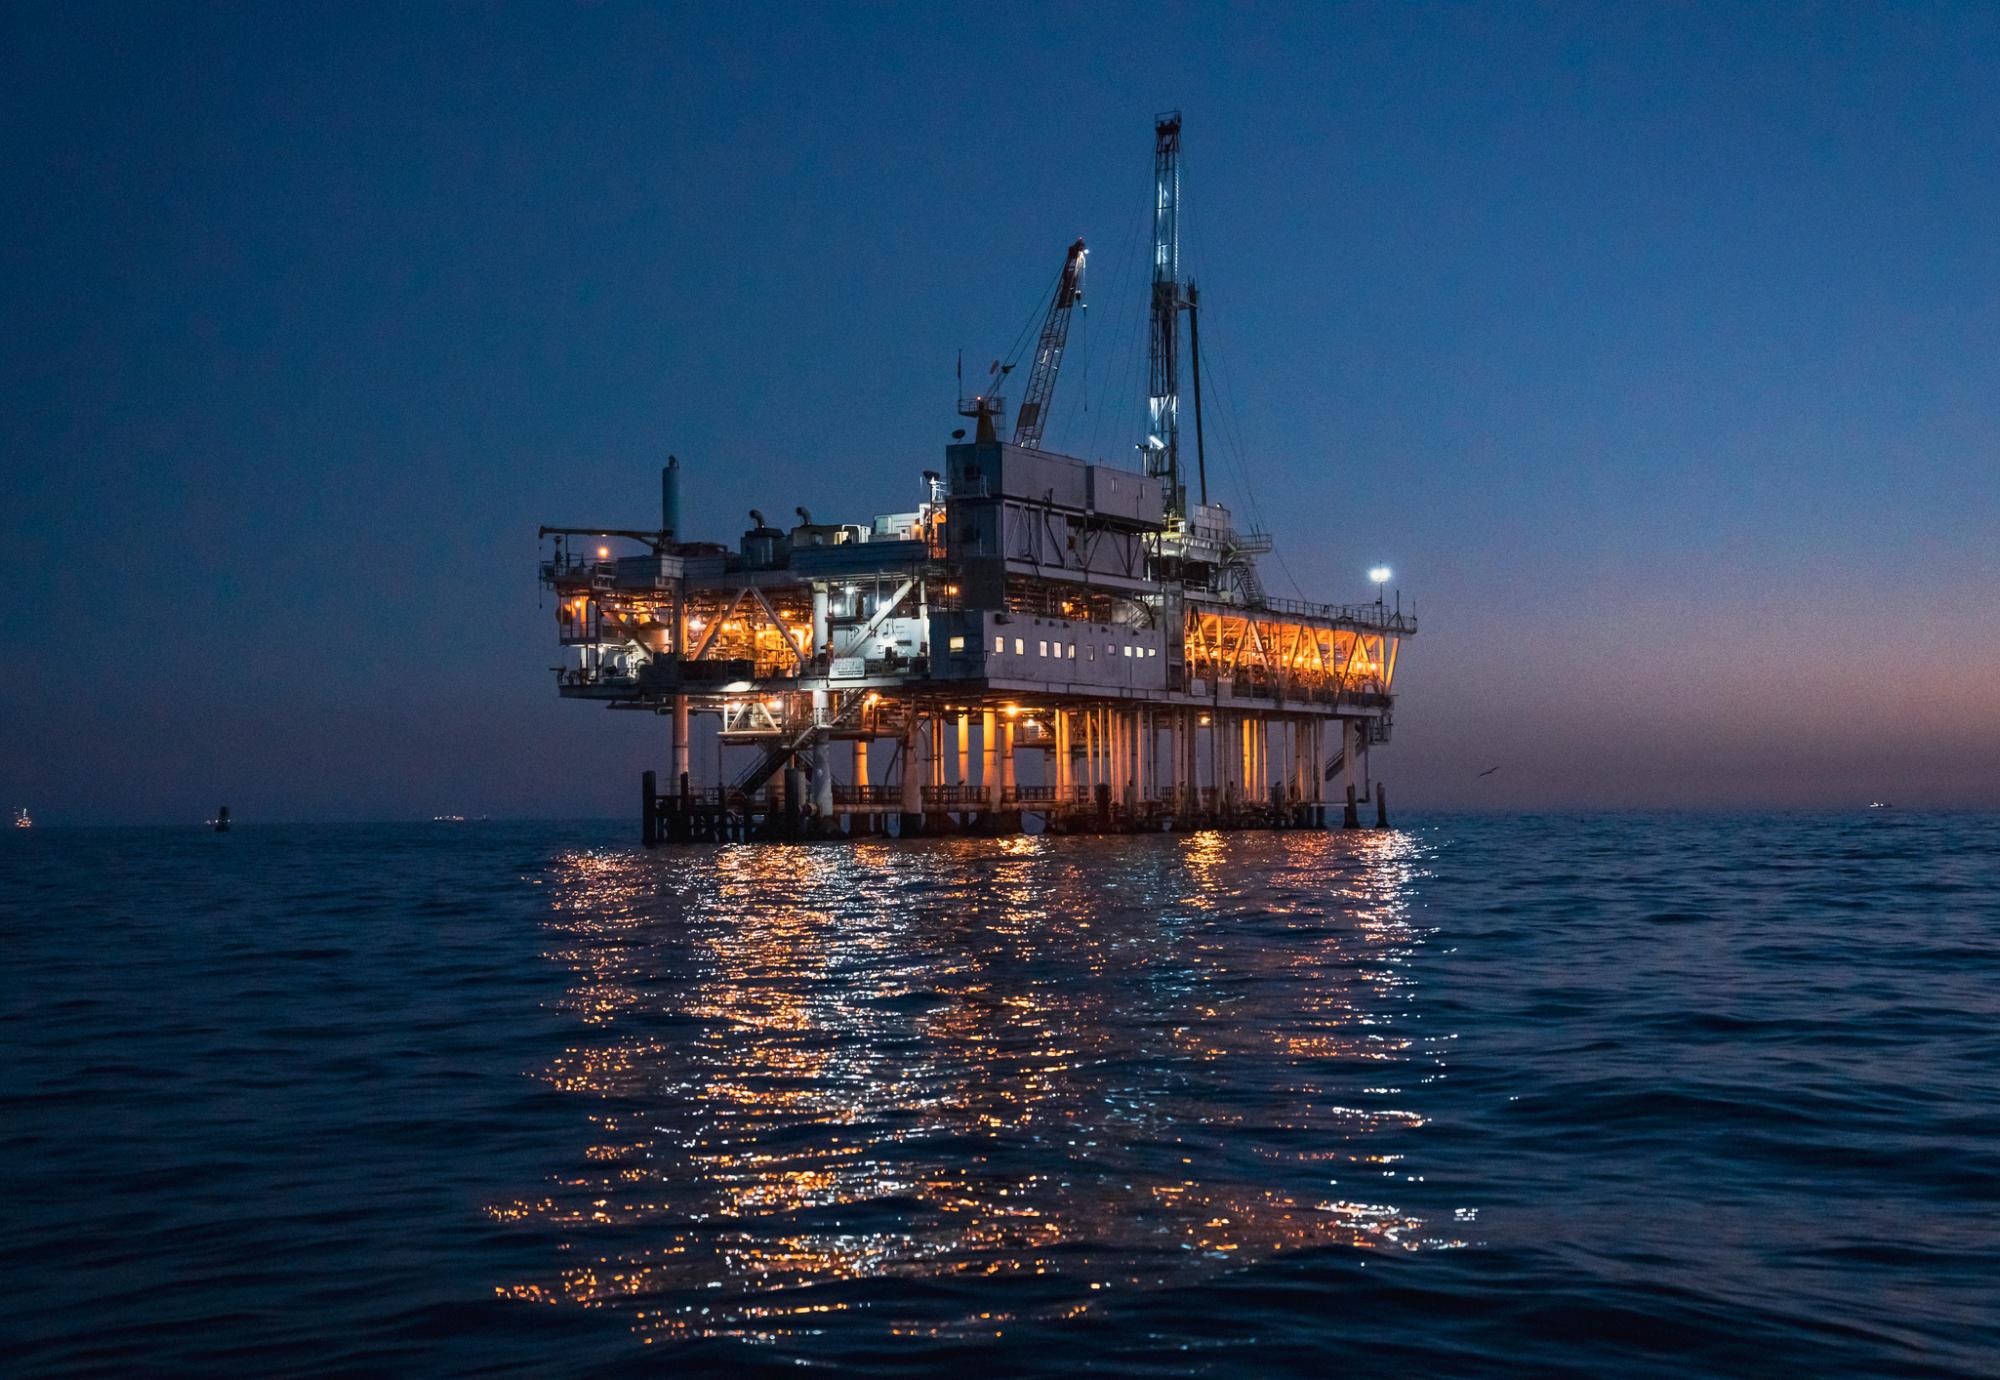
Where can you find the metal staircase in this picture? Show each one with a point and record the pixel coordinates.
(845, 710)
(1374, 733)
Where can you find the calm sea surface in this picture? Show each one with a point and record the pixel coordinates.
(1592, 1095)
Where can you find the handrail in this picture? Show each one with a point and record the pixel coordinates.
(1372, 616)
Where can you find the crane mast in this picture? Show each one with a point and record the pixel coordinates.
(1034, 414)
(1162, 446)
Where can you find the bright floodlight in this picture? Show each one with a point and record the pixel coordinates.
(1379, 575)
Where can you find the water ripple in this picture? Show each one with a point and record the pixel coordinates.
(1564, 1095)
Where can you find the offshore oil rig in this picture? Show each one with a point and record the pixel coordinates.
(1038, 637)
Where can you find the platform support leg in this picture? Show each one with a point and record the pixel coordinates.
(912, 821)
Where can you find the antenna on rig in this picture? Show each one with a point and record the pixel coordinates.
(984, 408)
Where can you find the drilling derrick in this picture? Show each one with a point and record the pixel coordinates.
(1034, 414)
(1162, 444)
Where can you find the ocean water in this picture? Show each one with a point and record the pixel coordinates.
(1632, 1095)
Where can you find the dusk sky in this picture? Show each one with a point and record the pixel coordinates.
(1657, 348)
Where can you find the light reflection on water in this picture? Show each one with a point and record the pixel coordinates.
(1059, 1068)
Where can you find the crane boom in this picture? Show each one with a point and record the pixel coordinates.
(1034, 413)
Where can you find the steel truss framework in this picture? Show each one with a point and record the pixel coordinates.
(1286, 658)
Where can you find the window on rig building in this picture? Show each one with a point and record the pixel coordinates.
(1020, 647)
(957, 644)
(1000, 642)
(1041, 648)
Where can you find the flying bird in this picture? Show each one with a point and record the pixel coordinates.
(1488, 772)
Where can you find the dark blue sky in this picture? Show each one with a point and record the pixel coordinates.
(1655, 347)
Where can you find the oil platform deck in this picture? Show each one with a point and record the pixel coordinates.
(1038, 637)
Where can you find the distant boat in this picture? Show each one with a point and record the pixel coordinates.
(221, 821)
(21, 820)
(1880, 805)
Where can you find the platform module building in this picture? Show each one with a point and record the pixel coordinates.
(1037, 637)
